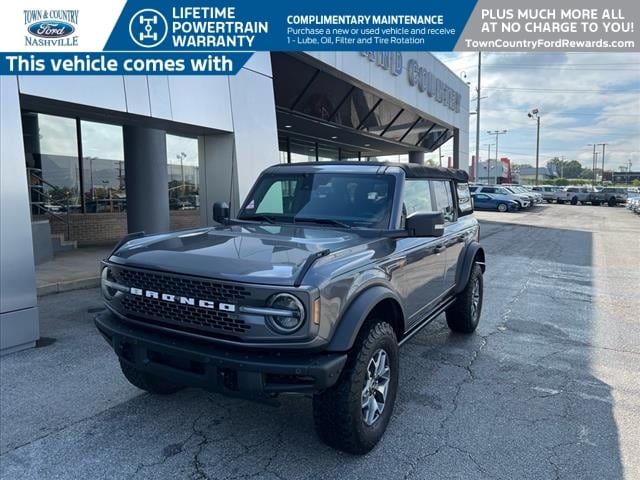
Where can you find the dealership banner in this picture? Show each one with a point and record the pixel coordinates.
(193, 37)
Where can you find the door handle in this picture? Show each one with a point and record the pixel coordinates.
(440, 248)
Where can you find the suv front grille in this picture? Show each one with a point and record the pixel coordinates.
(186, 316)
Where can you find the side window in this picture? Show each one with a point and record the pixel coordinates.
(488, 190)
(444, 199)
(417, 197)
(464, 198)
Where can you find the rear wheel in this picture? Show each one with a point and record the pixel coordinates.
(574, 201)
(148, 382)
(612, 202)
(353, 414)
(463, 315)
(502, 207)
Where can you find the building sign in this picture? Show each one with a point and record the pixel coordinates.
(418, 76)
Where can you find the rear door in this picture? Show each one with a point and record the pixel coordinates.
(420, 281)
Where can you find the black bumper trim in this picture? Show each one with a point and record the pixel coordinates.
(197, 364)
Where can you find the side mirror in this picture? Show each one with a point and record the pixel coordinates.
(425, 224)
(221, 212)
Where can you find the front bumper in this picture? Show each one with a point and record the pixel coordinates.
(197, 364)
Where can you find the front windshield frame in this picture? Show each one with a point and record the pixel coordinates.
(340, 219)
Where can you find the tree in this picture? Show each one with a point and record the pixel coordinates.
(566, 169)
(636, 182)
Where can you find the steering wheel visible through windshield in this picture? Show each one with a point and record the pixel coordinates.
(339, 199)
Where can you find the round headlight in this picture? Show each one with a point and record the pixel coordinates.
(292, 313)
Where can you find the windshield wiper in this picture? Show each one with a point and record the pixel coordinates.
(326, 221)
(257, 216)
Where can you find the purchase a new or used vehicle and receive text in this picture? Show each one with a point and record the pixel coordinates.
(327, 269)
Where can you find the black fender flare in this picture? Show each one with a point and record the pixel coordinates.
(356, 313)
(464, 268)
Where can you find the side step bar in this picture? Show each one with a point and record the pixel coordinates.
(426, 321)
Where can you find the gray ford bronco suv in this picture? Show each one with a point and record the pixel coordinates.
(326, 270)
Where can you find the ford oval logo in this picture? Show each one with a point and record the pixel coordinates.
(51, 29)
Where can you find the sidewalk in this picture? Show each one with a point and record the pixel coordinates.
(71, 270)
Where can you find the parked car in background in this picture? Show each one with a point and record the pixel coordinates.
(488, 201)
(580, 194)
(534, 197)
(551, 193)
(633, 204)
(612, 196)
(522, 200)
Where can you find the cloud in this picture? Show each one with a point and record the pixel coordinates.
(583, 98)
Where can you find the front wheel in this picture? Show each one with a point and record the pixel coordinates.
(463, 315)
(612, 202)
(353, 414)
(574, 201)
(502, 207)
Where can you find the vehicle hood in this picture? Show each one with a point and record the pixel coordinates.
(271, 254)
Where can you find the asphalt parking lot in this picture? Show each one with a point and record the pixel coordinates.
(547, 388)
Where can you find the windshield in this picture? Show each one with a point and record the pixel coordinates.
(334, 199)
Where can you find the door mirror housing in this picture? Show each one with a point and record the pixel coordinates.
(425, 224)
(221, 212)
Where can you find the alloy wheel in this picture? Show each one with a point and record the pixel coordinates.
(374, 393)
(475, 300)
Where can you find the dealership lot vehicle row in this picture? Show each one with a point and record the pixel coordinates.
(545, 389)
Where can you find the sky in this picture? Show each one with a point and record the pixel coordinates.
(583, 98)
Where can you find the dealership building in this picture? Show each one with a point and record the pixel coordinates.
(86, 159)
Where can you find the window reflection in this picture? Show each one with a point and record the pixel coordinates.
(103, 168)
(51, 152)
(183, 173)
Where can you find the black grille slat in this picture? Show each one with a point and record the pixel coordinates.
(188, 316)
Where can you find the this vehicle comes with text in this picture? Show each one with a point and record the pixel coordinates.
(326, 270)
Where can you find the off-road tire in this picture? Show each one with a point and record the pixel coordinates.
(338, 411)
(462, 316)
(148, 382)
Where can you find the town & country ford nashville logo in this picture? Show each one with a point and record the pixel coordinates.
(51, 28)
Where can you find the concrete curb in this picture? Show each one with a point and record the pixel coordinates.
(67, 286)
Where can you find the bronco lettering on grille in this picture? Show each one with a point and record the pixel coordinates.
(167, 297)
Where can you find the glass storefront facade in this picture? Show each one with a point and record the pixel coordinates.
(77, 166)
(184, 173)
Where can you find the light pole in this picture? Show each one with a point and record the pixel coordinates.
(593, 166)
(478, 109)
(477, 112)
(496, 133)
(602, 173)
(489, 145)
(535, 114)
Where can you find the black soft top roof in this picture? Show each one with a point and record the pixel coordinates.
(411, 170)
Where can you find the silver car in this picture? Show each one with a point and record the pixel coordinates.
(501, 192)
